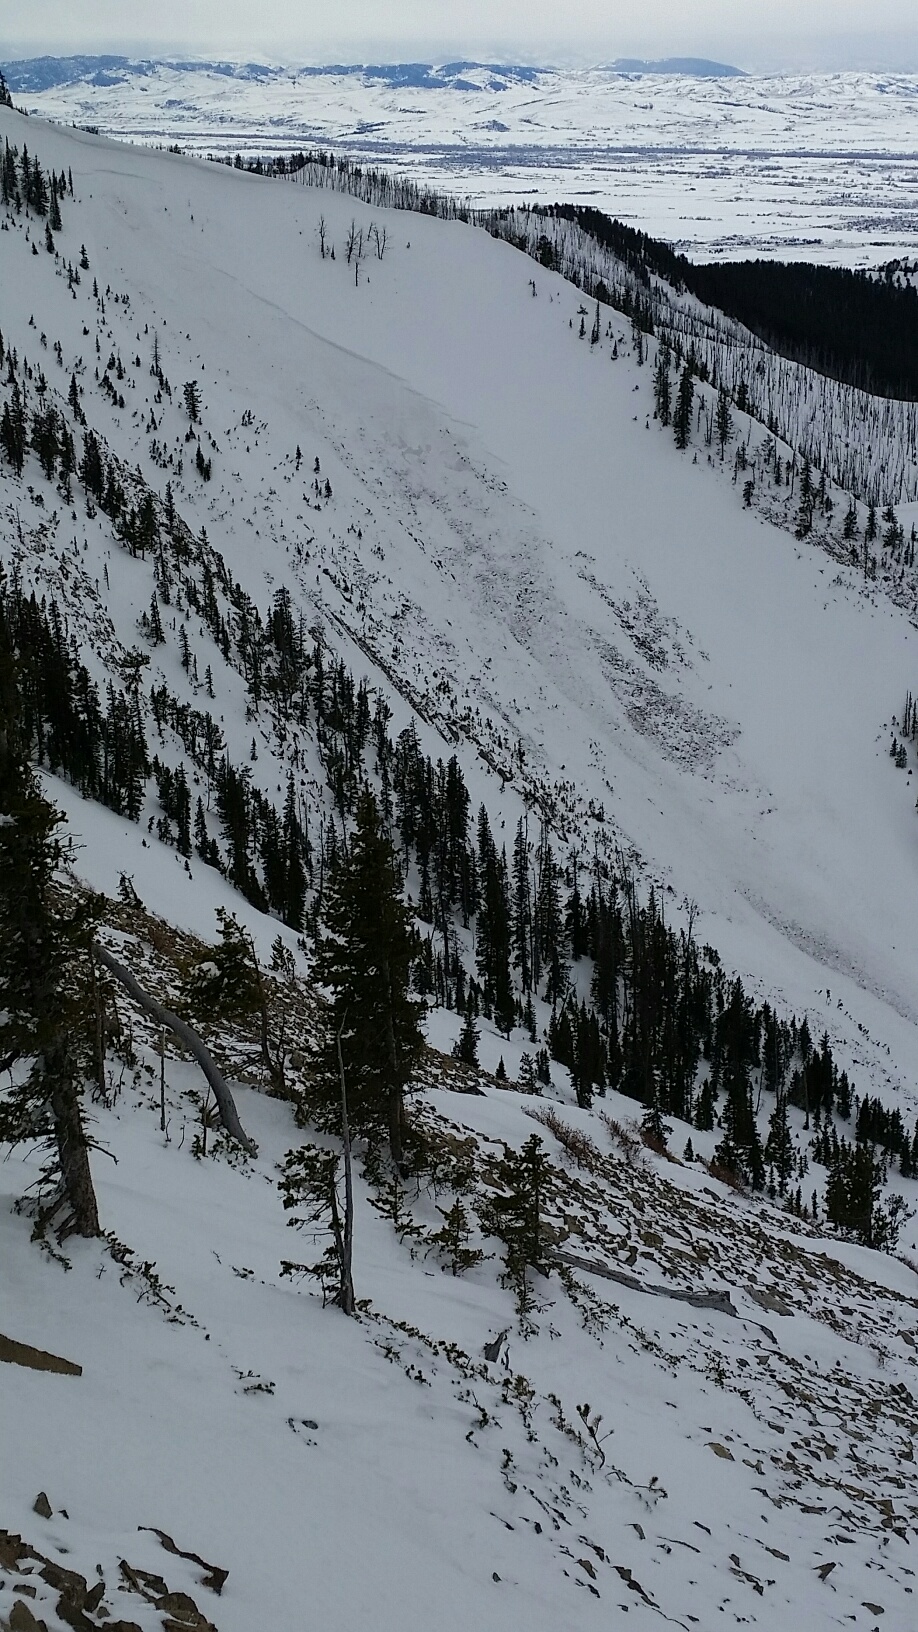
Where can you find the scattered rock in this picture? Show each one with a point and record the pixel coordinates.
(22, 1619)
(42, 1506)
(215, 1577)
(149, 1586)
(74, 1587)
(94, 1597)
(721, 1450)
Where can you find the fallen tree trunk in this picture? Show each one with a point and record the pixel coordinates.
(188, 1037)
(698, 1300)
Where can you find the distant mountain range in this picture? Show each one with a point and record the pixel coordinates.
(37, 74)
(695, 67)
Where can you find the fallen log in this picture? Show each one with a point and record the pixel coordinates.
(188, 1037)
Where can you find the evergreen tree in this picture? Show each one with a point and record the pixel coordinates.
(724, 420)
(853, 1191)
(191, 394)
(43, 952)
(466, 1048)
(310, 1190)
(522, 908)
(527, 1075)
(493, 934)
(662, 390)
(364, 961)
(682, 418)
(779, 1146)
(516, 1215)
(451, 1241)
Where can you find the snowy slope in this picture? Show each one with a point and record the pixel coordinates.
(813, 166)
(535, 564)
(515, 552)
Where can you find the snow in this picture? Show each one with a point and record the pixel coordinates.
(805, 166)
(536, 567)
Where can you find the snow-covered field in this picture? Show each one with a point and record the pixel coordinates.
(815, 166)
(515, 551)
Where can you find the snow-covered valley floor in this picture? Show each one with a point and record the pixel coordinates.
(805, 166)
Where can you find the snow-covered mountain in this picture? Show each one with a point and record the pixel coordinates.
(470, 503)
(814, 166)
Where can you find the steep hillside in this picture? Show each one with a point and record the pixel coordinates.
(301, 520)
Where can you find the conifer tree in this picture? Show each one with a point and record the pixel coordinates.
(682, 418)
(191, 393)
(779, 1146)
(662, 390)
(364, 962)
(516, 1215)
(44, 948)
(724, 420)
(451, 1241)
(466, 1047)
(13, 430)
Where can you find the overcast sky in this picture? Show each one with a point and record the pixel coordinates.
(753, 33)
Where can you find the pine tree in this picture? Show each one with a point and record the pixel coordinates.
(466, 1047)
(724, 420)
(364, 961)
(451, 1241)
(517, 1217)
(13, 430)
(44, 948)
(662, 390)
(191, 394)
(310, 1190)
(682, 418)
(224, 985)
(779, 1146)
(852, 1190)
(527, 1075)
(522, 909)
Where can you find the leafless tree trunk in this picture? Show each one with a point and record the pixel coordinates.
(99, 1017)
(72, 1144)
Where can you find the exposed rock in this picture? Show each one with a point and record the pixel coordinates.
(22, 1619)
(215, 1576)
(42, 1506)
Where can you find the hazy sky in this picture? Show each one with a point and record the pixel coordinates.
(754, 33)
